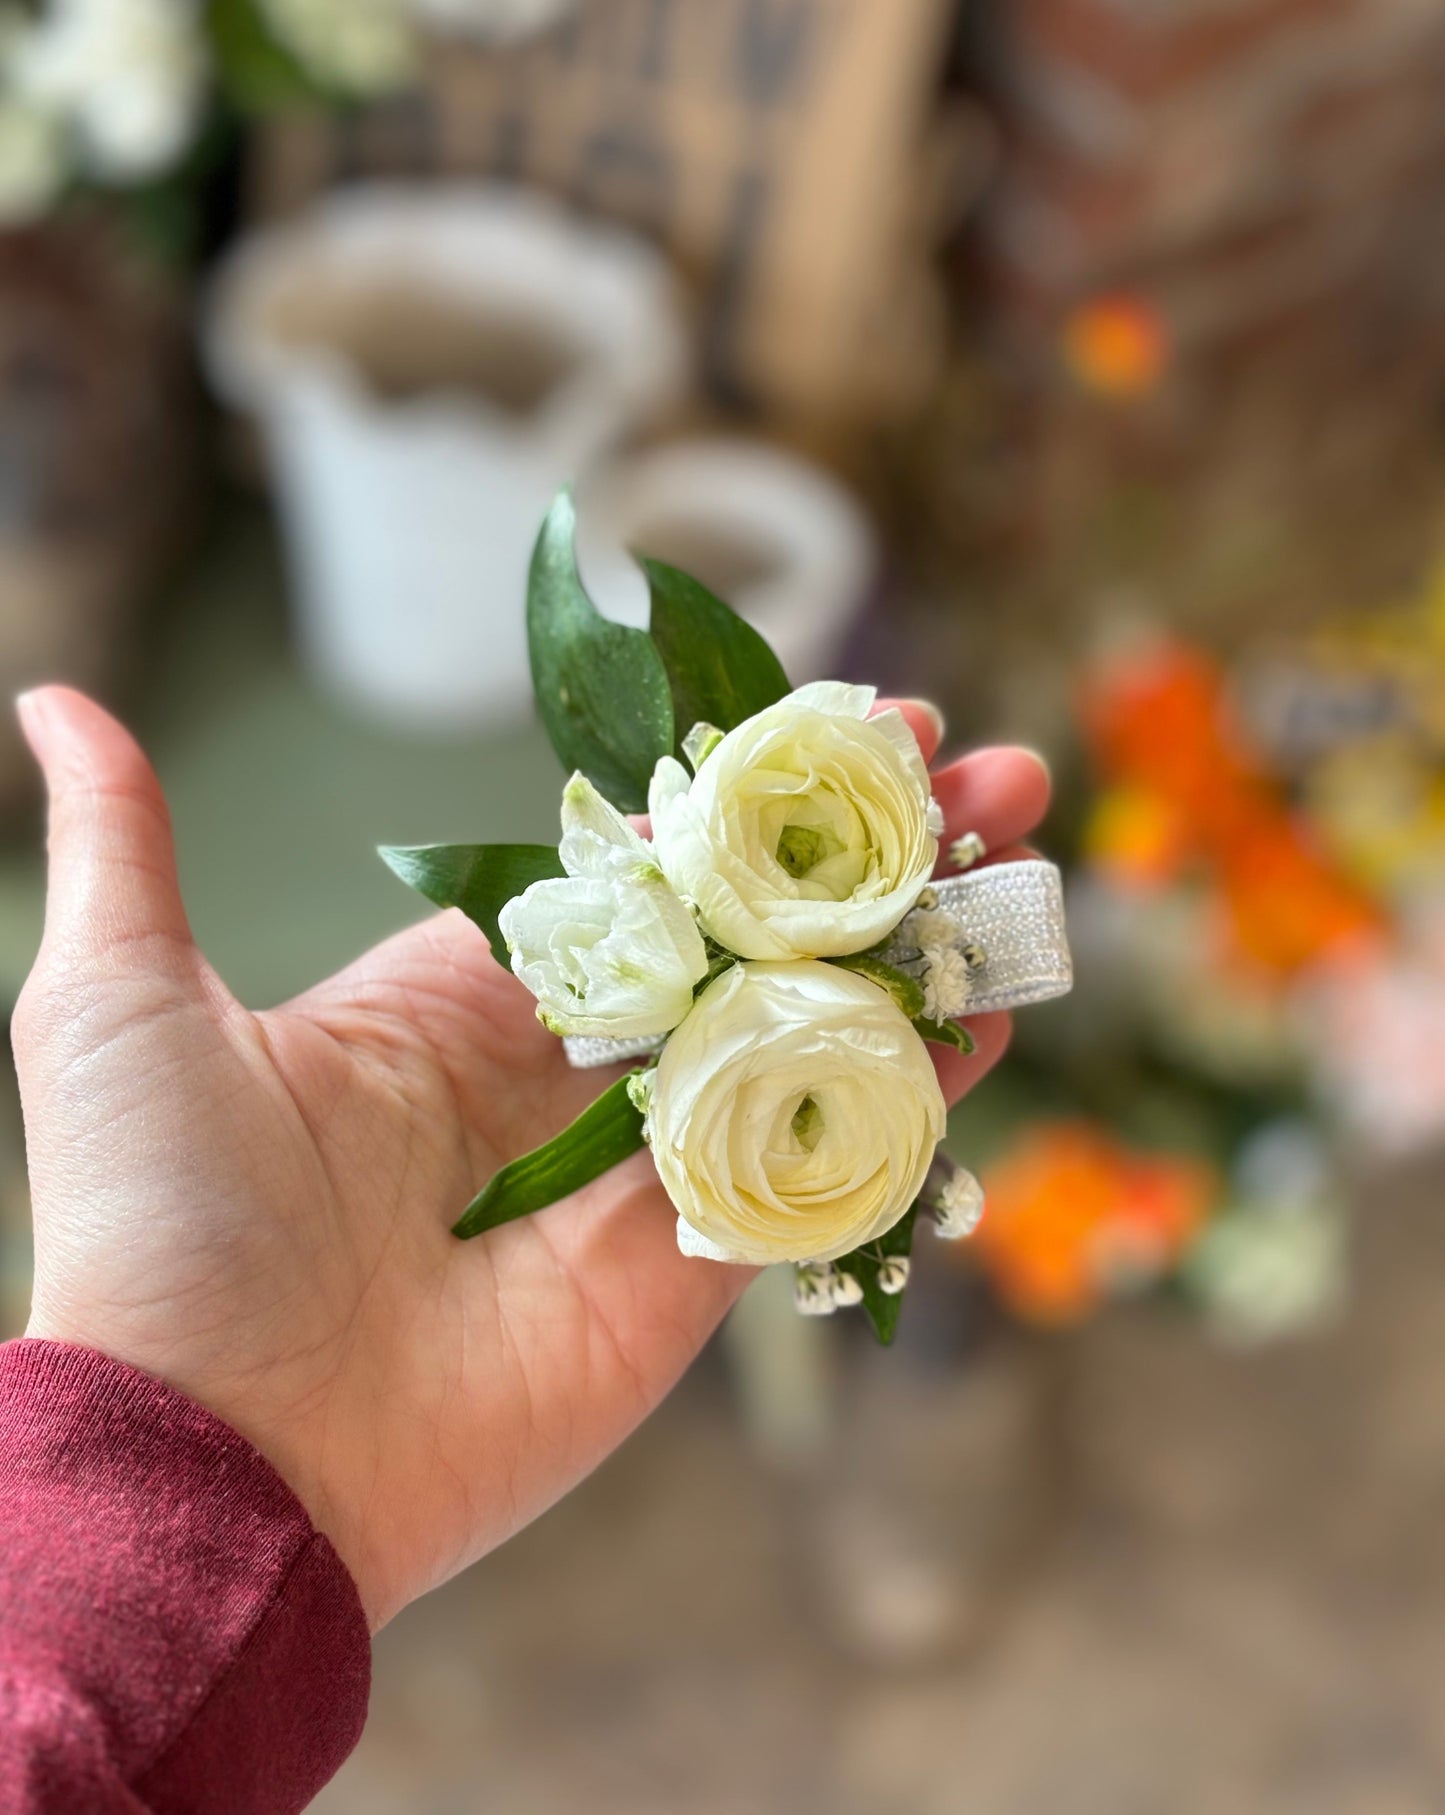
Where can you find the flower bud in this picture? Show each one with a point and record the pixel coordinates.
(893, 1274)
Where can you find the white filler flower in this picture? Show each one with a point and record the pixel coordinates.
(608, 949)
(129, 77)
(795, 1113)
(808, 831)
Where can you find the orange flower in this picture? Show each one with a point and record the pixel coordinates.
(1164, 739)
(1158, 719)
(1289, 907)
(1073, 1214)
(1137, 836)
(1117, 346)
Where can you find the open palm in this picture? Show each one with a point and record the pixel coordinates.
(255, 1207)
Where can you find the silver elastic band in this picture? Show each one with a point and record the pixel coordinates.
(1013, 911)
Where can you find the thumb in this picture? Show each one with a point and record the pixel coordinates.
(112, 880)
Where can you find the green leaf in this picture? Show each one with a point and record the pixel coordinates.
(598, 1140)
(717, 963)
(718, 667)
(258, 73)
(945, 1033)
(906, 991)
(601, 688)
(480, 879)
(882, 1308)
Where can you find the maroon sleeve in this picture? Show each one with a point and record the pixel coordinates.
(174, 1634)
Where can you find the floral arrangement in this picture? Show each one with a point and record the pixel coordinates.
(771, 945)
(1187, 794)
(1253, 910)
(1077, 1216)
(117, 94)
(1080, 1217)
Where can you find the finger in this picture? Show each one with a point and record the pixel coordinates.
(1010, 853)
(959, 1073)
(112, 867)
(923, 718)
(1000, 793)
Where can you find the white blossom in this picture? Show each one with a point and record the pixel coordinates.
(127, 77)
(815, 1290)
(947, 983)
(893, 1274)
(966, 851)
(847, 1289)
(930, 929)
(807, 832)
(608, 949)
(957, 1205)
(795, 1113)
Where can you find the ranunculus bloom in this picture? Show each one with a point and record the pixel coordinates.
(794, 1115)
(807, 832)
(607, 949)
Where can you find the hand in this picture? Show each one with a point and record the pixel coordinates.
(255, 1207)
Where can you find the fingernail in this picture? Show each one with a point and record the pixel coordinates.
(30, 710)
(932, 714)
(1039, 758)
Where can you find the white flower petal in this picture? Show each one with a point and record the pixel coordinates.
(609, 949)
(596, 839)
(805, 833)
(840, 699)
(795, 1113)
(698, 1247)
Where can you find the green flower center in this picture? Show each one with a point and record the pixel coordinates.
(808, 1124)
(802, 848)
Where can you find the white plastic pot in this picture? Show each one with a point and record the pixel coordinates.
(428, 367)
(781, 541)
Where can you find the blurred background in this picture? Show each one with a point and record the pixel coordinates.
(1077, 363)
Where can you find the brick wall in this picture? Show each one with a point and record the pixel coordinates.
(1267, 179)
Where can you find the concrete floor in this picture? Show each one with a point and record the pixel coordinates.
(1126, 1574)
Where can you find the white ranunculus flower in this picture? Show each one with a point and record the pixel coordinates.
(807, 832)
(608, 949)
(794, 1114)
(129, 76)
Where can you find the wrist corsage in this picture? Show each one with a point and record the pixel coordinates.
(773, 955)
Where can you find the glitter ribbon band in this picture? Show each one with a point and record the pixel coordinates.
(1013, 911)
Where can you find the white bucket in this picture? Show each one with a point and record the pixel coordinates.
(428, 366)
(781, 541)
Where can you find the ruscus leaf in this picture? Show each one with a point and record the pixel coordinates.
(718, 667)
(881, 1308)
(601, 688)
(945, 1033)
(906, 991)
(602, 1136)
(480, 879)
